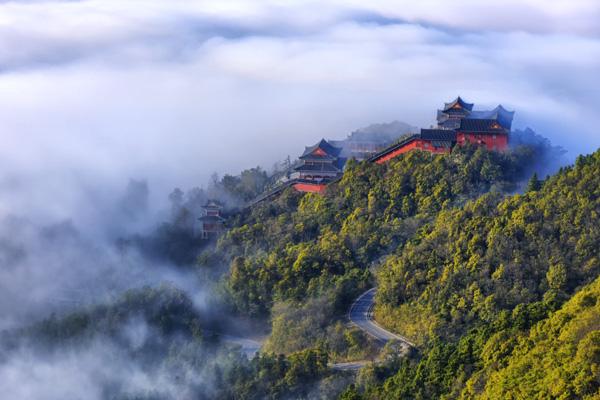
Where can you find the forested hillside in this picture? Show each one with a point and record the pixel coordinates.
(303, 258)
(478, 262)
(464, 267)
(471, 287)
(559, 357)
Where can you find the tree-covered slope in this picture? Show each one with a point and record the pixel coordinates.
(303, 258)
(559, 358)
(287, 248)
(497, 259)
(480, 288)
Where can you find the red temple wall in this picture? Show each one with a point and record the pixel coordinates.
(408, 147)
(417, 144)
(310, 187)
(435, 150)
(500, 142)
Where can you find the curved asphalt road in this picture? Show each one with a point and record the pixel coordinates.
(361, 315)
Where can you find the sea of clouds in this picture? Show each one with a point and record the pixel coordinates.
(94, 92)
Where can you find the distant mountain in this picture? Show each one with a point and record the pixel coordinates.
(364, 142)
(384, 132)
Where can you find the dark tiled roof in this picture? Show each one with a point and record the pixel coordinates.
(325, 146)
(460, 102)
(451, 119)
(500, 114)
(445, 135)
(212, 204)
(457, 112)
(479, 125)
(450, 124)
(504, 116)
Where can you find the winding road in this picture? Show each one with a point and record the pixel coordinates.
(361, 315)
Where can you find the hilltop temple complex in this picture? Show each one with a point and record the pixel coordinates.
(458, 124)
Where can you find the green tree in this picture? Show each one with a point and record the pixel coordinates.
(534, 183)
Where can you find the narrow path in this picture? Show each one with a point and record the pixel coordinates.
(361, 315)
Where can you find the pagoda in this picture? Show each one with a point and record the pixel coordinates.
(320, 164)
(450, 116)
(212, 224)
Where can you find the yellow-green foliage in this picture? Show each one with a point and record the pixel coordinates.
(483, 283)
(559, 358)
(296, 327)
(463, 273)
(414, 321)
(496, 254)
(299, 245)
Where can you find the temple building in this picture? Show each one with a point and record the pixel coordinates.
(212, 224)
(483, 132)
(320, 164)
(457, 124)
(452, 113)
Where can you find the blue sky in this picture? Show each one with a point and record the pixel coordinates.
(95, 92)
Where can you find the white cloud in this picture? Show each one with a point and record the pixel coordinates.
(95, 92)
(537, 16)
(97, 371)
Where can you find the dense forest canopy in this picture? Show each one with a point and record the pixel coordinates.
(480, 288)
(305, 245)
